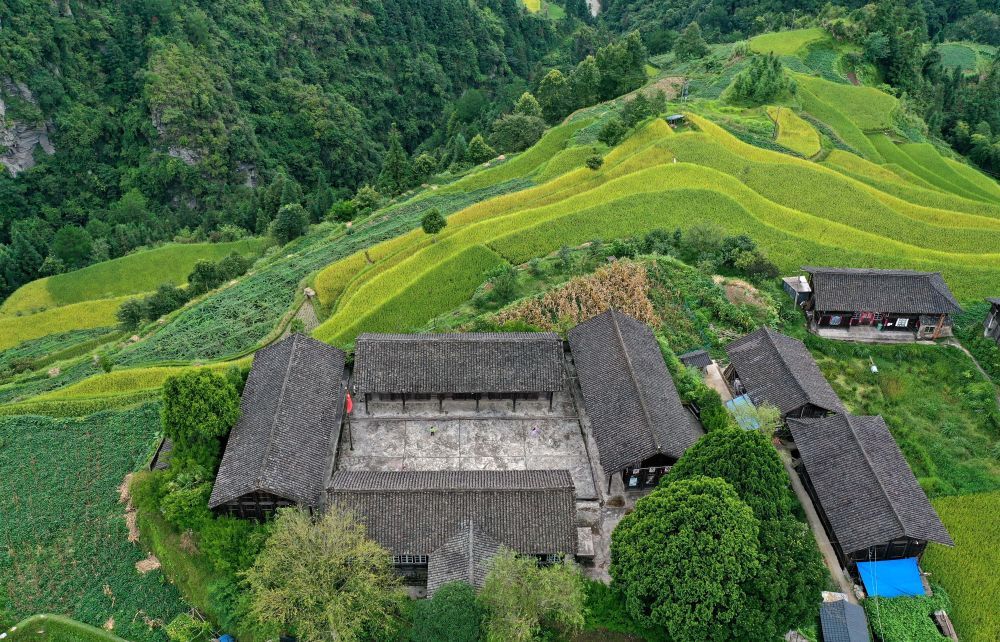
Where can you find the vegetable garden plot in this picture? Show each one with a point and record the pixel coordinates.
(63, 528)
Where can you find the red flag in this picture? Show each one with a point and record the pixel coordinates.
(349, 403)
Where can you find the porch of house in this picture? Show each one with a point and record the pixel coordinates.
(864, 334)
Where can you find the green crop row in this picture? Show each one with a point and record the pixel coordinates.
(838, 122)
(524, 163)
(575, 208)
(567, 160)
(76, 316)
(131, 380)
(869, 109)
(133, 274)
(65, 539)
(793, 132)
(968, 570)
(783, 43)
(895, 182)
(812, 188)
(929, 158)
(443, 287)
(896, 154)
(79, 407)
(35, 351)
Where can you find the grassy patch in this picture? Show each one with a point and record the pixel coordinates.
(866, 107)
(56, 628)
(782, 43)
(939, 408)
(132, 274)
(794, 133)
(969, 329)
(77, 316)
(968, 570)
(65, 541)
(837, 120)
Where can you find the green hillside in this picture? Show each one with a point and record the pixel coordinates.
(131, 274)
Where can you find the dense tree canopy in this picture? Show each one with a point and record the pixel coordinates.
(165, 114)
(199, 408)
(452, 614)
(683, 557)
(324, 580)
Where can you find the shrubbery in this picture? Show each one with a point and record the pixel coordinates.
(761, 82)
(452, 614)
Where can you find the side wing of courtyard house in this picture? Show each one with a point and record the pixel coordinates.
(280, 453)
(636, 416)
(863, 304)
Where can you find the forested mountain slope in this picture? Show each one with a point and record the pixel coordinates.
(135, 119)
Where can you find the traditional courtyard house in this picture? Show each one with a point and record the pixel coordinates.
(636, 416)
(471, 366)
(282, 449)
(442, 526)
(876, 304)
(991, 327)
(867, 497)
(768, 367)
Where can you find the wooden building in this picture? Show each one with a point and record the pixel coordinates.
(892, 301)
(636, 416)
(281, 452)
(441, 526)
(769, 367)
(469, 366)
(867, 497)
(991, 327)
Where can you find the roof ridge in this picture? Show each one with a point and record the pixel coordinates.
(781, 355)
(635, 382)
(471, 568)
(277, 408)
(878, 478)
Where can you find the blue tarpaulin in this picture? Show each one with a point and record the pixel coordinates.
(738, 408)
(891, 578)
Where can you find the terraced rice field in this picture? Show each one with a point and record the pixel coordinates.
(793, 132)
(782, 43)
(782, 201)
(133, 274)
(76, 316)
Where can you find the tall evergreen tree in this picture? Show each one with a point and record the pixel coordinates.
(396, 173)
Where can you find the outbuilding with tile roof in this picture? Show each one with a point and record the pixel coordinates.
(870, 502)
(281, 451)
(773, 368)
(843, 621)
(636, 416)
(887, 300)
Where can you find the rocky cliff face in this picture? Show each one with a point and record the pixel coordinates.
(18, 140)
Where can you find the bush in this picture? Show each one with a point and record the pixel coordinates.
(185, 628)
(185, 504)
(453, 614)
(290, 223)
(595, 161)
(231, 544)
(613, 131)
(479, 151)
(199, 407)
(432, 221)
(342, 211)
(515, 133)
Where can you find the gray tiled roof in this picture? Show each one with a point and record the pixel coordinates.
(890, 291)
(843, 622)
(416, 512)
(465, 557)
(464, 363)
(994, 301)
(696, 359)
(634, 409)
(778, 369)
(863, 483)
(287, 435)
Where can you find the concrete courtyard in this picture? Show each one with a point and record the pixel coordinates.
(454, 437)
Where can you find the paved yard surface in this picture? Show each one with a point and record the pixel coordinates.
(422, 441)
